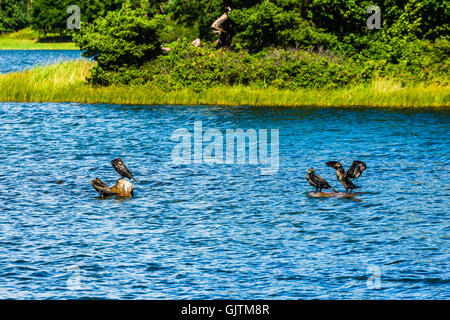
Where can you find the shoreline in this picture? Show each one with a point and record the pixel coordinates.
(65, 83)
(33, 45)
(176, 99)
(37, 49)
(27, 39)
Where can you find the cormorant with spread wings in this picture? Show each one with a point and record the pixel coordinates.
(344, 178)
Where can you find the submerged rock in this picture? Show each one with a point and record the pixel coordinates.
(330, 194)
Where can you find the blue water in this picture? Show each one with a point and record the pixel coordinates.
(219, 231)
(18, 60)
(224, 230)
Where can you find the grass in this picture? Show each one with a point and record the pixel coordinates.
(65, 82)
(28, 39)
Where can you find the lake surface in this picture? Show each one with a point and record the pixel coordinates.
(214, 231)
(222, 231)
(18, 60)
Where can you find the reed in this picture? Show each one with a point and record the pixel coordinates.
(65, 82)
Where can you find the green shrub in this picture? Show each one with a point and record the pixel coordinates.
(50, 16)
(121, 42)
(13, 15)
(333, 46)
(203, 67)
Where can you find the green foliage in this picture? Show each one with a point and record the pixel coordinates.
(423, 19)
(65, 81)
(198, 68)
(187, 11)
(276, 43)
(313, 23)
(202, 67)
(120, 42)
(265, 24)
(197, 15)
(339, 17)
(50, 16)
(256, 23)
(13, 15)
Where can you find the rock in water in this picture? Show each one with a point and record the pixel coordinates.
(330, 194)
(123, 188)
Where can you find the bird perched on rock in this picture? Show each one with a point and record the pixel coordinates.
(344, 178)
(317, 181)
(122, 188)
(122, 169)
(102, 188)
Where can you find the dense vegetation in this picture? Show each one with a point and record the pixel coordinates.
(50, 16)
(275, 43)
(65, 82)
(14, 15)
(121, 42)
(284, 44)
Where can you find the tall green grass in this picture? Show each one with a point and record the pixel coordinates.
(65, 82)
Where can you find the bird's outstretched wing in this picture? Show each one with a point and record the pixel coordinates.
(331, 163)
(356, 170)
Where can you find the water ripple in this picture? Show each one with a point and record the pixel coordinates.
(221, 231)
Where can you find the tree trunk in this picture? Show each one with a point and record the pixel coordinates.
(223, 27)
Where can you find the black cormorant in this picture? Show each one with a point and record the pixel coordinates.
(344, 178)
(122, 169)
(102, 188)
(317, 181)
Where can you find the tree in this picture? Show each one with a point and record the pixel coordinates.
(266, 24)
(250, 24)
(121, 41)
(256, 24)
(427, 19)
(13, 15)
(224, 28)
(50, 16)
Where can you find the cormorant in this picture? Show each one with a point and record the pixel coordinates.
(354, 172)
(122, 169)
(317, 181)
(102, 188)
